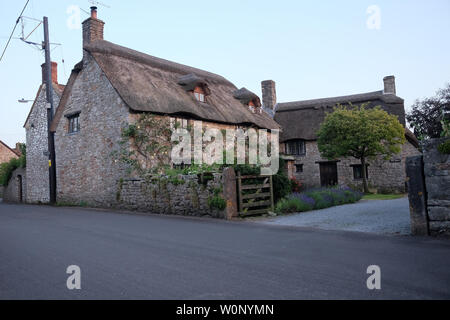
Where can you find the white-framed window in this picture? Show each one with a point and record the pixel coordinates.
(199, 94)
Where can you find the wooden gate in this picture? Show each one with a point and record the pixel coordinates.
(255, 195)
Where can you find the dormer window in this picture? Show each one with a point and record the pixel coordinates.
(199, 94)
(248, 99)
(251, 106)
(196, 86)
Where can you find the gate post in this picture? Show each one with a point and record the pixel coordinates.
(229, 193)
(417, 195)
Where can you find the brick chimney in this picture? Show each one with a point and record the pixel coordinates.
(54, 72)
(269, 94)
(92, 28)
(389, 85)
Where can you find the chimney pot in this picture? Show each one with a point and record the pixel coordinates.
(94, 12)
(269, 94)
(389, 85)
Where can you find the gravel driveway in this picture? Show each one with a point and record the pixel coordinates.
(373, 216)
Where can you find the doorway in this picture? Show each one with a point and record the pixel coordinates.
(328, 174)
(19, 185)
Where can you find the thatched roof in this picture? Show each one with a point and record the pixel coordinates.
(246, 96)
(302, 119)
(150, 84)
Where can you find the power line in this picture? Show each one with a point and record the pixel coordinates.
(14, 29)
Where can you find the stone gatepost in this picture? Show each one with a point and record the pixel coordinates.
(229, 192)
(417, 195)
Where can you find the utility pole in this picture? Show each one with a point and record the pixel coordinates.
(50, 112)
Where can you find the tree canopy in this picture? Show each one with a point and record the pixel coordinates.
(362, 133)
(428, 115)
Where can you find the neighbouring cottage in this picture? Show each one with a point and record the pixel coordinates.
(7, 153)
(108, 90)
(301, 120)
(36, 127)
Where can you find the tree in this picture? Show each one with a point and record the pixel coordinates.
(428, 115)
(360, 133)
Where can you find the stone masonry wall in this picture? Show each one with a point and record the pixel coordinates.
(86, 170)
(384, 176)
(437, 182)
(12, 192)
(37, 144)
(186, 196)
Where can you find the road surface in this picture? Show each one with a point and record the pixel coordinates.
(125, 256)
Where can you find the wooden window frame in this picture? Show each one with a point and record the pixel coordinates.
(297, 150)
(74, 123)
(199, 94)
(357, 168)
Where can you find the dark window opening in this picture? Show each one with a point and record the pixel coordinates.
(296, 147)
(299, 168)
(74, 123)
(357, 172)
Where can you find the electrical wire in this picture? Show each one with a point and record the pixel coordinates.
(14, 29)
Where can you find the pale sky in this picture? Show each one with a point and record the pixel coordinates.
(311, 49)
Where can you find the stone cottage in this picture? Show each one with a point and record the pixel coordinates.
(301, 120)
(36, 127)
(7, 153)
(110, 88)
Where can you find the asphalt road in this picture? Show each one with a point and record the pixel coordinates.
(125, 256)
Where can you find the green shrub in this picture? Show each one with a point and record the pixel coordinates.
(217, 202)
(7, 168)
(281, 184)
(444, 147)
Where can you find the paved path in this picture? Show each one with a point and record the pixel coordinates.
(374, 216)
(125, 256)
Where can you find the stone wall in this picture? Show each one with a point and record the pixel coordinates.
(384, 176)
(86, 169)
(16, 189)
(37, 146)
(437, 182)
(429, 190)
(184, 195)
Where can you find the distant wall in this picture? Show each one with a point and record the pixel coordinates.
(16, 189)
(429, 190)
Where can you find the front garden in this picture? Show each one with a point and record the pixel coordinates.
(316, 199)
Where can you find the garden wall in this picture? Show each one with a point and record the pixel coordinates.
(429, 190)
(16, 189)
(188, 195)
